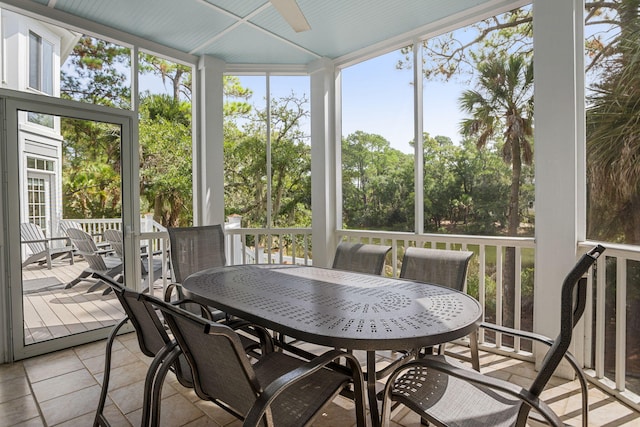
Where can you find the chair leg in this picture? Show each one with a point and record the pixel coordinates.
(97, 285)
(100, 420)
(473, 346)
(78, 279)
(153, 383)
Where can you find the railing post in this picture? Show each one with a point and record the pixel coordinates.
(234, 246)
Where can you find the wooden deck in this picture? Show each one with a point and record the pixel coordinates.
(51, 311)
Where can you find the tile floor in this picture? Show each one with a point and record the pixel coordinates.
(62, 388)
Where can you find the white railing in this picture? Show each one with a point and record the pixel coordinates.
(612, 322)
(484, 278)
(268, 246)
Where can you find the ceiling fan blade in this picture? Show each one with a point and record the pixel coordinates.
(291, 13)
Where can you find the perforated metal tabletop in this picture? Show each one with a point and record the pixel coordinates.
(338, 308)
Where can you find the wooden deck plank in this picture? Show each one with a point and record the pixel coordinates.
(50, 319)
(51, 313)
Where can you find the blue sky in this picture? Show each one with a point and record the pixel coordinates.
(378, 98)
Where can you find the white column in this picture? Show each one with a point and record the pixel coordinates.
(559, 154)
(208, 146)
(325, 140)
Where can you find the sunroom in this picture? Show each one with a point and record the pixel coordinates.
(370, 99)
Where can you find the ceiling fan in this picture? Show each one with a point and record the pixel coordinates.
(291, 13)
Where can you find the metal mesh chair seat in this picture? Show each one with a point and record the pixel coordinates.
(444, 393)
(277, 390)
(361, 258)
(453, 401)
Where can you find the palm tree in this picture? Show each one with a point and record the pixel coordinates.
(613, 137)
(501, 108)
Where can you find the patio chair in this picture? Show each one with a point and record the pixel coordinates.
(444, 392)
(441, 267)
(153, 341)
(361, 258)
(115, 239)
(193, 249)
(69, 228)
(278, 390)
(43, 250)
(110, 266)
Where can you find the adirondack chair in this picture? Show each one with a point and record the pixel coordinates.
(43, 250)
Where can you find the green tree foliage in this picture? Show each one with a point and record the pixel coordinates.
(165, 159)
(246, 189)
(501, 107)
(376, 184)
(95, 73)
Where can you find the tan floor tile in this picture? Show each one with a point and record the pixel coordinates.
(94, 349)
(18, 410)
(10, 371)
(14, 388)
(51, 365)
(202, 422)
(119, 357)
(214, 412)
(130, 397)
(63, 384)
(175, 411)
(125, 375)
(33, 422)
(69, 406)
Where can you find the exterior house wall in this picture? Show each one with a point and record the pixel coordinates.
(35, 140)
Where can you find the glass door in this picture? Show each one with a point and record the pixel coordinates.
(69, 167)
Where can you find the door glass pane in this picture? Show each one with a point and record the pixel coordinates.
(70, 190)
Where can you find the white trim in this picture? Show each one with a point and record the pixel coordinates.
(433, 29)
(13, 347)
(85, 26)
(557, 111)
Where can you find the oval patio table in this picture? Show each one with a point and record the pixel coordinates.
(341, 309)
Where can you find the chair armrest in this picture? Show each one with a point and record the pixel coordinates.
(438, 364)
(281, 383)
(68, 240)
(568, 356)
(45, 241)
(518, 333)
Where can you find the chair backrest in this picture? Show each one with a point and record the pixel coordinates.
(195, 248)
(150, 331)
(360, 257)
(77, 234)
(114, 237)
(67, 224)
(439, 266)
(88, 249)
(30, 232)
(220, 368)
(572, 305)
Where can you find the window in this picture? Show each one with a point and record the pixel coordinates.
(37, 201)
(40, 64)
(40, 74)
(40, 164)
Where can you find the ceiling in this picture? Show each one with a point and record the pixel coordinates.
(254, 32)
